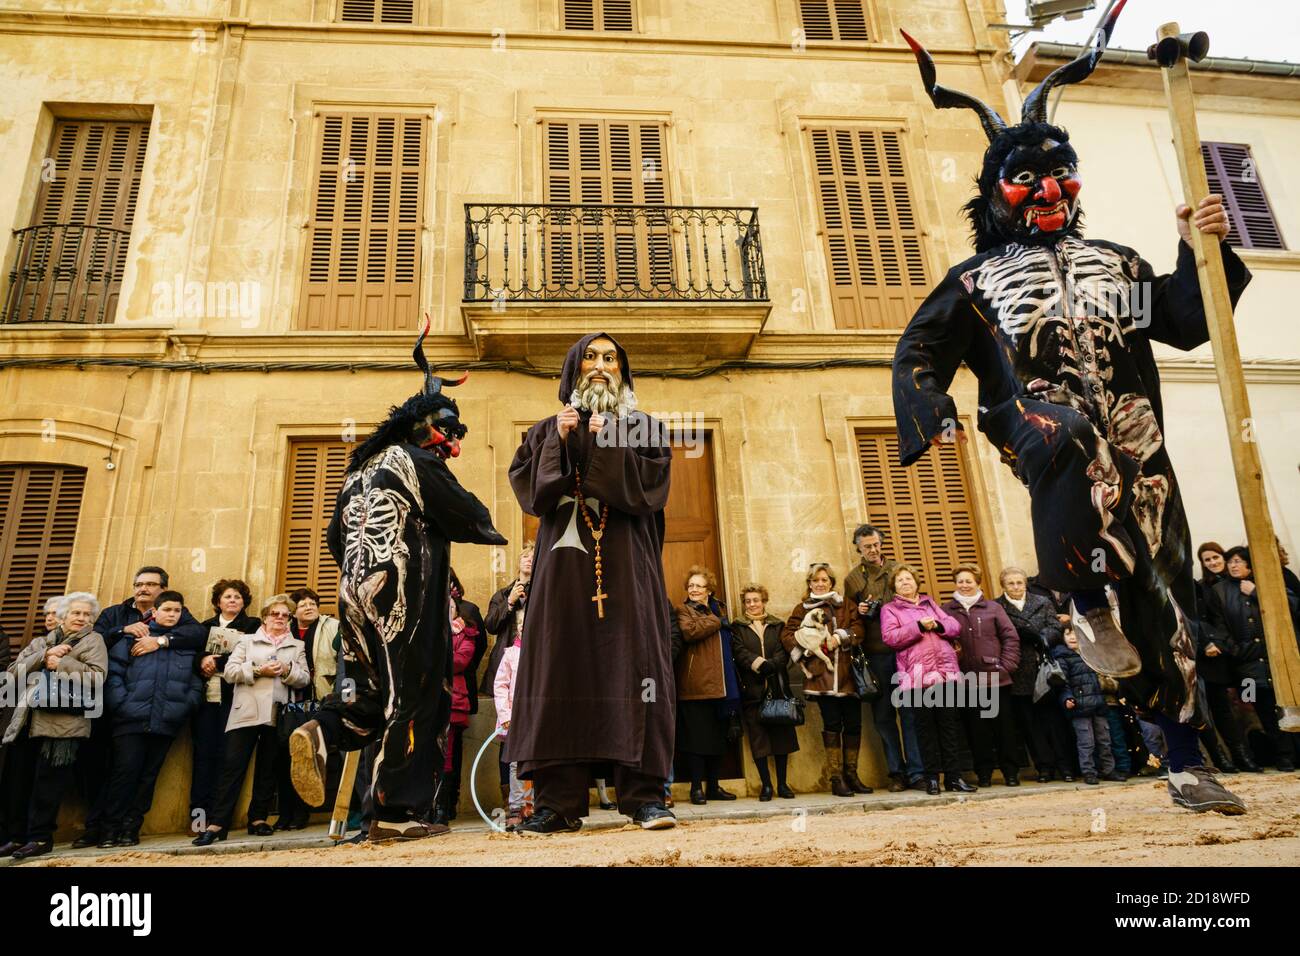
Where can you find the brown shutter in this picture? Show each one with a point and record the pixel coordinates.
(833, 19)
(1232, 172)
(607, 162)
(871, 235)
(363, 240)
(316, 471)
(378, 11)
(598, 15)
(39, 507)
(926, 509)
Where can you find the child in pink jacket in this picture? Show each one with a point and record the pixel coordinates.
(922, 635)
(503, 694)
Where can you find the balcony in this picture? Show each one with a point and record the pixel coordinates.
(65, 272)
(676, 284)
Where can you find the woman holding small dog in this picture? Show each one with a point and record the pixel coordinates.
(828, 677)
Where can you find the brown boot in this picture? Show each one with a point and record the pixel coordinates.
(1102, 645)
(835, 765)
(851, 745)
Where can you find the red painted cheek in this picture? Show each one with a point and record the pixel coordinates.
(1013, 193)
(1072, 186)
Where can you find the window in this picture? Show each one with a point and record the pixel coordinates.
(604, 163)
(598, 15)
(833, 19)
(39, 507)
(926, 508)
(316, 471)
(378, 11)
(363, 238)
(71, 258)
(870, 233)
(1233, 173)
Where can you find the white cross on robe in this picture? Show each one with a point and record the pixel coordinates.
(571, 538)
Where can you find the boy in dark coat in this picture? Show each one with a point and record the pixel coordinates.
(151, 694)
(1085, 705)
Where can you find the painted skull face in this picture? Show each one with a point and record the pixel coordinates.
(1037, 193)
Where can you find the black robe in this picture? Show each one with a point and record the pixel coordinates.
(1059, 337)
(391, 535)
(593, 689)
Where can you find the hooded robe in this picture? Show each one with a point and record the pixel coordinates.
(592, 689)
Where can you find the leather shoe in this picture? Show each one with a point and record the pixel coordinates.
(108, 839)
(697, 798)
(87, 839)
(984, 780)
(784, 792)
(8, 848)
(957, 785)
(1012, 780)
(128, 838)
(896, 785)
(32, 849)
(932, 786)
(765, 794)
(546, 821)
(261, 829)
(209, 837)
(1046, 776)
(717, 793)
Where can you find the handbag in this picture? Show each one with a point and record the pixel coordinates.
(865, 684)
(1050, 674)
(783, 711)
(289, 717)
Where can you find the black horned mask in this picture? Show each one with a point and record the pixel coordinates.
(1029, 184)
(428, 418)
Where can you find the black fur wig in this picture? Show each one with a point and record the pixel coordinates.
(406, 424)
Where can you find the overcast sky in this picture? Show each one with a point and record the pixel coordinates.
(1253, 29)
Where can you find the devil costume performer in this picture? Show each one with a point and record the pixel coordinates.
(1058, 330)
(595, 680)
(398, 512)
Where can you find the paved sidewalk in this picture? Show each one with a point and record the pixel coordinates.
(745, 808)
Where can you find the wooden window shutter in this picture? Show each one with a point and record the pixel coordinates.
(833, 19)
(377, 11)
(607, 162)
(39, 508)
(870, 232)
(363, 240)
(926, 509)
(599, 15)
(1232, 172)
(316, 471)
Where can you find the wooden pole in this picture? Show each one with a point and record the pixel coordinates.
(1283, 656)
(343, 799)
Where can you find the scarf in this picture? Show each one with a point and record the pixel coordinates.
(1018, 605)
(969, 602)
(729, 705)
(817, 600)
(274, 639)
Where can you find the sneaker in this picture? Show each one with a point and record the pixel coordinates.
(1102, 645)
(1197, 789)
(655, 816)
(546, 821)
(404, 829)
(307, 754)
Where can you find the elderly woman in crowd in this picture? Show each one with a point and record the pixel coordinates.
(988, 649)
(828, 674)
(923, 636)
(230, 600)
(708, 693)
(264, 666)
(1214, 668)
(66, 665)
(1040, 723)
(761, 662)
(1234, 617)
(52, 617)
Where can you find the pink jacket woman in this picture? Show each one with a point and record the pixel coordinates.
(924, 657)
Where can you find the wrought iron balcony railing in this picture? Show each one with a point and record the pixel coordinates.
(65, 272)
(557, 252)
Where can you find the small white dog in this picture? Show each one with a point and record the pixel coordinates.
(812, 633)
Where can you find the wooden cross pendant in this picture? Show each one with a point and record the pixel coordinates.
(600, 602)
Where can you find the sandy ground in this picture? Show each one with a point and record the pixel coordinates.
(1107, 826)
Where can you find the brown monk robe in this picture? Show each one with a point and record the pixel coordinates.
(593, 689)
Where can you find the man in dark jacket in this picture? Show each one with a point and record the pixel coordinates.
(1085, 705)
(151, 695)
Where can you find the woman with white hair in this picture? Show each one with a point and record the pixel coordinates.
(52, 613)
(64, 667)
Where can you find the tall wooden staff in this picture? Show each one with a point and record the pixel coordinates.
(1172, 51)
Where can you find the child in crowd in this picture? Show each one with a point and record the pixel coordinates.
(503, 694)
(1085, 705)
(1115, 723)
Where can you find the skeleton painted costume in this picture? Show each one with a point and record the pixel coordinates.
(1058, 331)
(398, 512)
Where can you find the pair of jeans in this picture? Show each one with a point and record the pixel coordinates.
(1092, 737)
(1118, 739)
(884, 716)
(911, 745)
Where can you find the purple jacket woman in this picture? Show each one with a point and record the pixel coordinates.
(989, 641)
(924, 657)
